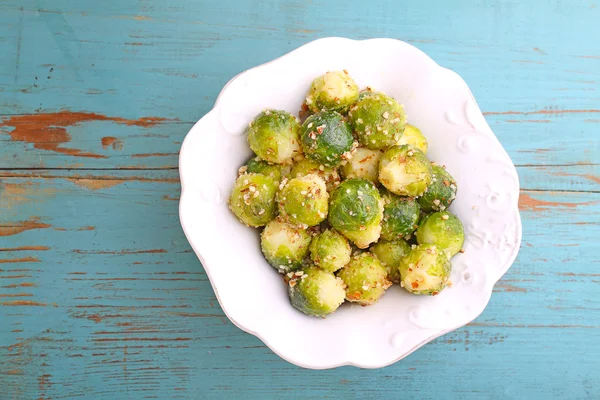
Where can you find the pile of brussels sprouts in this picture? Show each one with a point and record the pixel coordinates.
(348, 200)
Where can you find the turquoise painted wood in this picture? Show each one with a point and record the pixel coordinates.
(100, 294)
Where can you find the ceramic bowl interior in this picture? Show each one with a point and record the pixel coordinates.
(253, 294)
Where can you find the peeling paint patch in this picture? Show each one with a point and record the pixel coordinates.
(528, 203)
(110, 141)
(502, 287)
(96, 184)
(20, 260)
(49, 131)
(23, 303)
(26, 248)
(13, 194)
(15, 228)
(15, 285)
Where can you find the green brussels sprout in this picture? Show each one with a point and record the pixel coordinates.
(425, 270)
(334, 90)
(356, 210)
(252, 199)
(303, 201)
(390, 253)
(365, 278)
(378, 120)
(400, 216)
(315, 292)
(326, 138)
(444, 230)
(364, 164)
(413, 137)
(285, 247)
(440, 193)
(257, 166)
(275, 136)
(306, 167)
(330, 250)
(405, 171)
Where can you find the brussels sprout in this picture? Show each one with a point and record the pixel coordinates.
(252, 199)
(444, 230)
(356, 211)
(284, 246)
(365, 278)
(390, 253)
(306, 167)
(413, 137)
(440, 193)
(330, 251)
(405, 171)
(275, 136)
(334, 90)
(364, 164)
(425, 270)
(378, 120)
(326, 138)
(303, 201)
(400, 216)
(315, 292)
(257, 166)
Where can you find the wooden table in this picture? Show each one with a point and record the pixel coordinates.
(101, 295)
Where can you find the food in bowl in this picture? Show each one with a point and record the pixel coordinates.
(347, 200)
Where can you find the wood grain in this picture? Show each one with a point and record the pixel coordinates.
(100, 294)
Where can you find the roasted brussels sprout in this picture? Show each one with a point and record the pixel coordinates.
(330, 250)
(364, 164)
(405, 171)
(444, 230)
(390, 253)
(356, 210)
(257, 166)
(315, 292)
(378, 120)
(306, 167)
(425, 270)
(326, 138)
(274, 135)
(303, 201)
(334, 90)
(400, 216)
(412, 136)
(284, 246)
(252, 199)
(365, 278)
(440, 193)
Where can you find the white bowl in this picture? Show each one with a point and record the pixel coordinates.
(253, 294)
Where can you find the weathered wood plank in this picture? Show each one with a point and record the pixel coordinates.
(538, 86)
(80, 140)
(101, 296)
